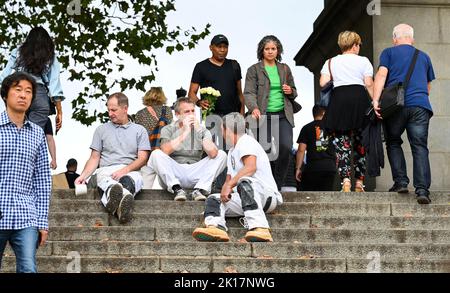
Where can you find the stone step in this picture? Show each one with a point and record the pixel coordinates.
(167, 264)
(352, 197)
(238, 249)
(279, 235)
(195, 208)
(338, 209)
(275, 221)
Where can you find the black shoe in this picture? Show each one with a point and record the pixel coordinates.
(128, 183)
(399, 188)
(114, 195)
(423, 199)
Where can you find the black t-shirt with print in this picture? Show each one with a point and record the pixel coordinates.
(320, 153)
(222, 78)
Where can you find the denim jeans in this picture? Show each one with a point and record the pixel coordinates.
(40, 107)
(415, 121)
(24, 243)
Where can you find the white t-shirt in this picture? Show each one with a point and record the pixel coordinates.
(248, 146)
(348, 69)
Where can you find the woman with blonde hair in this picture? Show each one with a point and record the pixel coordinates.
(153, 117)
(155, 101)
(352, 76)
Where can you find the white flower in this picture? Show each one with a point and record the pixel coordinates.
(209, 90)
(203, 91)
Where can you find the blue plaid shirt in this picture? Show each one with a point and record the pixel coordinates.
(25, 179)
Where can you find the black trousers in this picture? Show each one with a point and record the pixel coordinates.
(318, 181)
(276, 126)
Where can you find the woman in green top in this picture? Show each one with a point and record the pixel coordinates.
(269, 87)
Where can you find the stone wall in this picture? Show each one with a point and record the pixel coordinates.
(431, 21)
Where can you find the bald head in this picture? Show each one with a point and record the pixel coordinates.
(403, 34)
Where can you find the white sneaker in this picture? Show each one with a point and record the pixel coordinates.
(180, 195)
(197, 195)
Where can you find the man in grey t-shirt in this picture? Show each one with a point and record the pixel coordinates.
(119, 149)
(179, 163)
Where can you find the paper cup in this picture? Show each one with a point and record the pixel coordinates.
(80, 189)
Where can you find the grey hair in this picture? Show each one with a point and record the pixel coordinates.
(234, 122)
(122, 100)
(176, 107)
(263, 43)
(403, 31)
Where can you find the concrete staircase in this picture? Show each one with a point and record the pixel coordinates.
(313, 232)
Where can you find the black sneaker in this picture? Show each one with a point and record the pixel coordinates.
(128, 183)
(423, 199)
(125, 210)
(114, 195)
(399, 188)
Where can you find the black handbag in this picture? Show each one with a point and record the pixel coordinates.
(296, 107)
(326, 91)
(393, 97)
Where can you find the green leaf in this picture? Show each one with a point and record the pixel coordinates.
(85, 42)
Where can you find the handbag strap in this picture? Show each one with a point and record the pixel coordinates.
(411, 69)
(329, 69)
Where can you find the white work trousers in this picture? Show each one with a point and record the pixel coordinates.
(104, 179)
(198, 175)
(233, 208)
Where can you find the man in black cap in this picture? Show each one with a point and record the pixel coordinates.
(71, 174)
(223, 75)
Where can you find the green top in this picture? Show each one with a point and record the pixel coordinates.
(276, 96)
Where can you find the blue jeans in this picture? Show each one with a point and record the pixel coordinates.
(24, 243)
(415, 121)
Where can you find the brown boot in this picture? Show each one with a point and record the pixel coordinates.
(210, 234)
(259, 235)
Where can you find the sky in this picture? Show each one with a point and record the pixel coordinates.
(244, 22)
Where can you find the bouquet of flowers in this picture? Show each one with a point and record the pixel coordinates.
(211, 95)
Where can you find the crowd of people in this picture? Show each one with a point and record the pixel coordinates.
(238, 171)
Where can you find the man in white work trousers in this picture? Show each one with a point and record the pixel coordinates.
(249, 190)
(179, 163)
(118, 151)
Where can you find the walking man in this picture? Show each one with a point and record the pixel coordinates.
(414, 117)
(25, 180)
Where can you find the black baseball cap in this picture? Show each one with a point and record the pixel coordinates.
(219, 39)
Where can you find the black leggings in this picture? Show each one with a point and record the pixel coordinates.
(283, 144)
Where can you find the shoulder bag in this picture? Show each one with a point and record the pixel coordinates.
(393, 97)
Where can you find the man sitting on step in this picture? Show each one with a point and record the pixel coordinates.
(249, 190)
(179, 163)
(120, 147)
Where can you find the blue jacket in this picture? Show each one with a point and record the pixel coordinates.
(50, 77)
